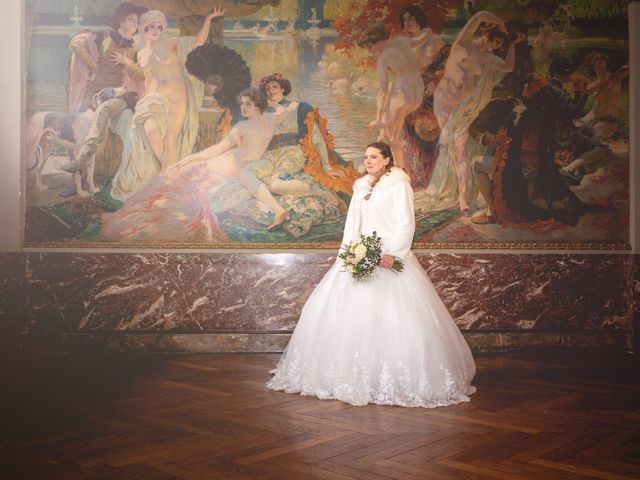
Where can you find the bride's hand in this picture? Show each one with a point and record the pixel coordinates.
(386, 261)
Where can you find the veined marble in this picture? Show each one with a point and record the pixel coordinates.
(187, 293)
(636, 302)
(550, 292)
(194, 291)
(12, 288)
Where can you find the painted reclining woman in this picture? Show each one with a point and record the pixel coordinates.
(301, 144)
(173, 206)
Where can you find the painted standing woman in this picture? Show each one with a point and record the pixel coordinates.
(420, 131)
(162, 60)
(472, 71)
(165, 125)
(398, 97)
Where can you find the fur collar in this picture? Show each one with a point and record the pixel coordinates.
(395, 175)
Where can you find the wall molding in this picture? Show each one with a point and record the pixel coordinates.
(275, 342)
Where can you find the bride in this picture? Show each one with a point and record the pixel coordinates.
(389, 340)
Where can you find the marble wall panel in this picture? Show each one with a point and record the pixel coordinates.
(547, 292)
(196, 292)
(636, 283)
(636, 302)
(590, 291)
(12, 313)
(192, 292)
(484, 291)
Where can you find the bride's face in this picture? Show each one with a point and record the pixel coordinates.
(374, 161)
(248, 108)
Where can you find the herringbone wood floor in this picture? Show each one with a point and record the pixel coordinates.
(541, 416)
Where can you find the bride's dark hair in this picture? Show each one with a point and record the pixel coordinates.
(385, 151)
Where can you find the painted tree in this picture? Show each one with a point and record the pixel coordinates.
(599, 9)
(527, 11)
(335, 9)
(363, 12)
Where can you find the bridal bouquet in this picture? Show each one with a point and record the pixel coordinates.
(363, 256)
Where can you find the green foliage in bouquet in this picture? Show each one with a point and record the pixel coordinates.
(362, 257)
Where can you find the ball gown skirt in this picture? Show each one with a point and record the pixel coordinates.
(389, 341)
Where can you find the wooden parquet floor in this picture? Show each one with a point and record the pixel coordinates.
(544, 415)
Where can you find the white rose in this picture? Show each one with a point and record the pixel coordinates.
(360, 251)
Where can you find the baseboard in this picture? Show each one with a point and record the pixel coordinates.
(273, 342)
(513, 340)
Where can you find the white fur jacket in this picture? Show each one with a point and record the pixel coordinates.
(388, 211)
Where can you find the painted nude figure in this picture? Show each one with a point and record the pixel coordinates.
(165, 76)
(472, 71)
(400, 96)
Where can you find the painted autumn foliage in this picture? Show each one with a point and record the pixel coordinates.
(364, 12)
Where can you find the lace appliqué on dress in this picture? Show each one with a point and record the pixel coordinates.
(360, 381)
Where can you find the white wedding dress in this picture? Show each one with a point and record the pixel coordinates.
(389, 340)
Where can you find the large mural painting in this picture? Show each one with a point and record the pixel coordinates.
(242, 123)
